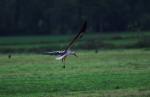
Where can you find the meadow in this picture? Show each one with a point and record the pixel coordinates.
(123, 40)
(116, 70)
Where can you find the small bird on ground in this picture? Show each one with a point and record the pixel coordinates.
(9, 56)
(62, 55)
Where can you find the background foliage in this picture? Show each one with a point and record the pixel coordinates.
(25, 17)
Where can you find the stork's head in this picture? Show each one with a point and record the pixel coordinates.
(74, 53)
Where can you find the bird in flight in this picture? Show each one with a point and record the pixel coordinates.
(62, 55)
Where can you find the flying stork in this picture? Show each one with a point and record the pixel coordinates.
(62, 55)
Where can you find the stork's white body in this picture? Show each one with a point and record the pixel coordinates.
(65, 54)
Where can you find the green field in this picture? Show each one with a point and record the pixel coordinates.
(24, 44)
(121, 68)
(109, 73)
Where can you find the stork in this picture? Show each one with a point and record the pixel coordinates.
(62, 55)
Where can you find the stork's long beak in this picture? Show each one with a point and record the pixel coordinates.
(75, 54)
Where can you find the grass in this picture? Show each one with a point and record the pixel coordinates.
(89, 41)
(108, 73)
(115, 72)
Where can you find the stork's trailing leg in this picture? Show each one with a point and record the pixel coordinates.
(63, 60)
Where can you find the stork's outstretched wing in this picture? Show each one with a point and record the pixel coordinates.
(79, 35)
(54, 53)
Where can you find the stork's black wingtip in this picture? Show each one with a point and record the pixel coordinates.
(84, 26)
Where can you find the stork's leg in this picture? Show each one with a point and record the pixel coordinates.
(63, 60)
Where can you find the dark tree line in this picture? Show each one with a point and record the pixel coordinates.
(25, 17)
